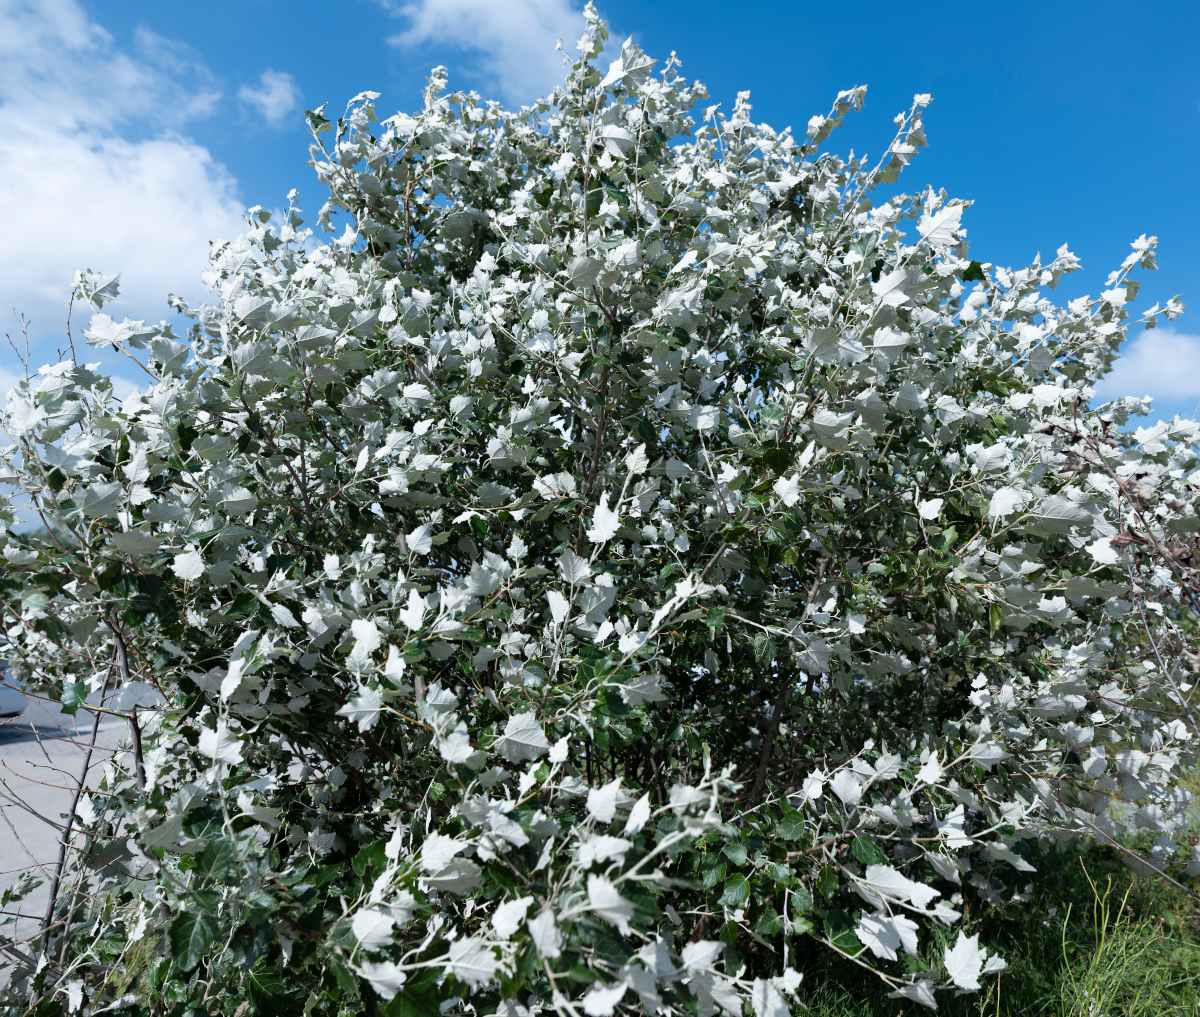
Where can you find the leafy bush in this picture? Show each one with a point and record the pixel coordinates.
(633, 561)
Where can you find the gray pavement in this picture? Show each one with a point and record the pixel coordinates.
(41, 756)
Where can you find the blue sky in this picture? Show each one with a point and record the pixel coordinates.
(136, 131)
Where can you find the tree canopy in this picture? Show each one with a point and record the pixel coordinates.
(625, 552)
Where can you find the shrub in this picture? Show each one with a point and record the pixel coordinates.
(632, 559)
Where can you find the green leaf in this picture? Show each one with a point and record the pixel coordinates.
(973, 273)
(217, 859)
(791, 824)
(110, 577)
(802, 901)
(779, 873)
(419, 999)
(318, 123)
(35, 599)
(192, 934)
(371, 856)
(74, 695)
(839, 929)
(736, 892)
(735, 852)
(867, 851)
(187, 434)
(764, 647)
(267, 984)
(769, 924)
(342, 976)
(244, 605)
(801, 926)
(777, 459)
(579, 973)
(617, 195)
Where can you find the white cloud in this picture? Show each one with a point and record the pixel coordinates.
(274, 97)
(146, 209)
(1161, 363)
(95, 170)
(515, 38)
(67, 71)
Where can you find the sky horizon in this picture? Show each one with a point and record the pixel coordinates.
(140, 132)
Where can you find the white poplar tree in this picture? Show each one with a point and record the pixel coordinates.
(637, 552)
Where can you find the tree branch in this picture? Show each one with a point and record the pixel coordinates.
(65, 841)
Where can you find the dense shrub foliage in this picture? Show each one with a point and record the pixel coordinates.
(638, 555)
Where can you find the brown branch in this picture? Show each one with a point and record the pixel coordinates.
(122, 660)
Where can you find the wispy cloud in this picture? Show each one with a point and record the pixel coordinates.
(96, 170)
(1159, 362)
(274, 97)
(65, 70)
(515, 39)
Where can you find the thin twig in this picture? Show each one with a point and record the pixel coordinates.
(122, 658)
(70, 337)
(20, 803)
(64, 843)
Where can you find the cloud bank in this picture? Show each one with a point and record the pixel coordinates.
(514, 39)
(96, 170)
(1159, 362)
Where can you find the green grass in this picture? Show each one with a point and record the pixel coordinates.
(1101, 942)
(1137, 965)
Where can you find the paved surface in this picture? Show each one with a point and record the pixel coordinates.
(41, 755)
